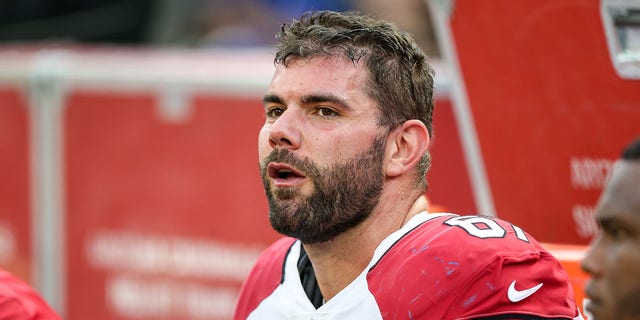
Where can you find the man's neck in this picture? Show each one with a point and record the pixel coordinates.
(339, 261)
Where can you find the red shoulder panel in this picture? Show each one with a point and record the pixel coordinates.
(455, 267)
(263, 279)
(19, 301)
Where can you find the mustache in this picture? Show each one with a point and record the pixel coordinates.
(286, 156)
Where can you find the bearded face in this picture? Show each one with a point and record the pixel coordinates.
(343, 195)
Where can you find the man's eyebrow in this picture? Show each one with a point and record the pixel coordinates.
(608, 222)
(315, 98)
(272, 98)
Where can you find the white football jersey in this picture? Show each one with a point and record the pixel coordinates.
(437, 266)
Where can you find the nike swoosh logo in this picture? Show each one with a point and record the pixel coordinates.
(519, 295)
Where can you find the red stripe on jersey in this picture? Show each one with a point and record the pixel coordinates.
(461, 267)
(263, 279)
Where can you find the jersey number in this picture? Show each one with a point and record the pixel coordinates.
(482, 227)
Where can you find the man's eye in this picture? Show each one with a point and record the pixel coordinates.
(614, 232)
(618, 234)
(274, 112)
(326, 112)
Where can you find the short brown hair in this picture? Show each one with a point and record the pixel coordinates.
(401, 80)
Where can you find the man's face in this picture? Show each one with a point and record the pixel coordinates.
(321, 150)
(614, 258)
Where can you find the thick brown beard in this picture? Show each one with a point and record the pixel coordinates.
(344, 195)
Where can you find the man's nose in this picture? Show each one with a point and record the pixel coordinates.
(593, 260)
(285, 131)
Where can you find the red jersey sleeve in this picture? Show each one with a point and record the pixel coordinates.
(18, 301)
(265, 276)
(533, 284)
(468, 267)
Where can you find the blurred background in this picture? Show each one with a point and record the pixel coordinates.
(128, 158)
(187, 24)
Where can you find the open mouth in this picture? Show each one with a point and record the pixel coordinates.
(591, 302)
(283, 173)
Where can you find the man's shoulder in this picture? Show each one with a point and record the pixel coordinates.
(454, 246)
(470, 232)
(19, 301)
(470, 241)
(270, 264)
(264, 278)
(468, 263)
(277, 250)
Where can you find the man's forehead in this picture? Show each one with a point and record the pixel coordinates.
(325, 70)
(622, 193)
(625, 178)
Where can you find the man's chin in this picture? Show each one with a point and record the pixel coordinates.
(596, 310)
(311, 238)
(284, 194)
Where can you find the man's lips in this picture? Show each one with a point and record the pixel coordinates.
(283, 175)
(594, 300)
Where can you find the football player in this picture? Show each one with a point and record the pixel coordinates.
(343, 156)
(613, 261)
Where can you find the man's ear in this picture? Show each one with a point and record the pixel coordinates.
(405, 147)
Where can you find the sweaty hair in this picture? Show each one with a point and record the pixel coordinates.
(400, 80)
(632, 152)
